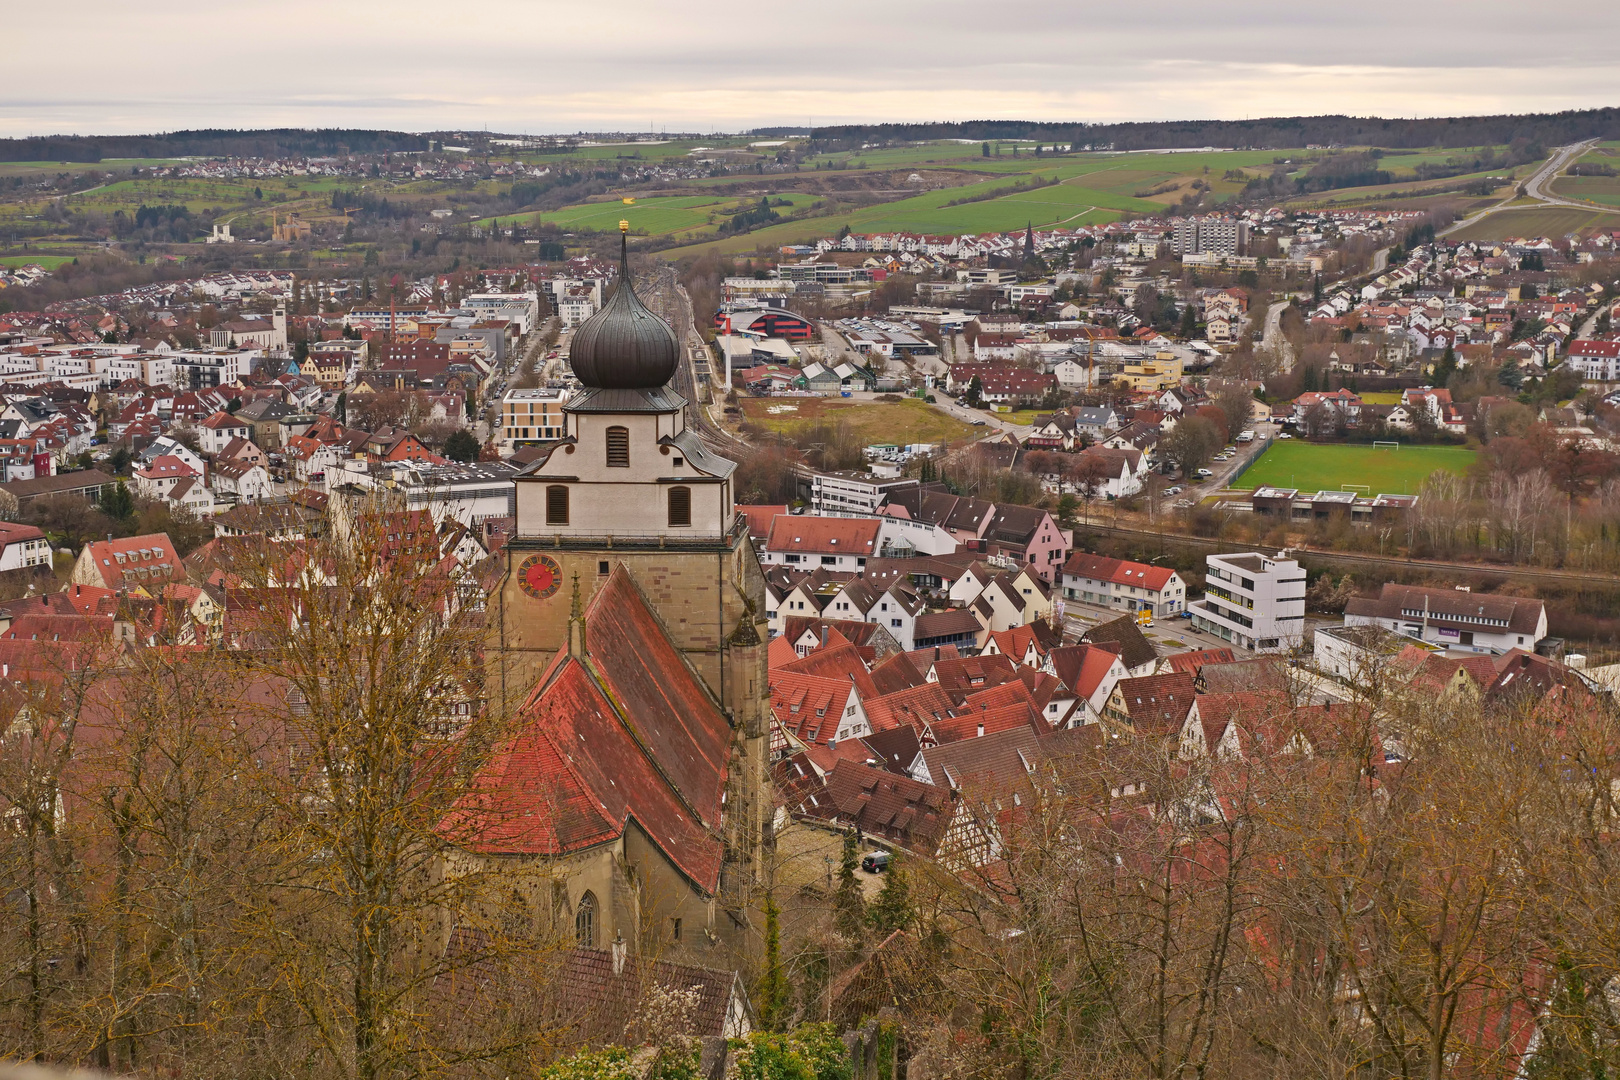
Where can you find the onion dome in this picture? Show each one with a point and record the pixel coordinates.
(624, 346)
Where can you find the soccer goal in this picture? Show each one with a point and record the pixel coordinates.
(1365, 489)
(1390, 445)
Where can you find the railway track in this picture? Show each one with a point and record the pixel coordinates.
(670, 300)
(1351, 560)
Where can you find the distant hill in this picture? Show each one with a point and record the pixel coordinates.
(222, 142)
(1549, 129)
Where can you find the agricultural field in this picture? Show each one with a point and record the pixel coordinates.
(1604, 190)
(1329, 466)
(654, 217)
(1381, 397)
(35, 168)
(49, 262)
(906, 421)
(1528, 221)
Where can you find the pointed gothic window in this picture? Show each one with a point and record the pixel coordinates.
(680, 507)
(618, 447)
(556, 505)
(585, 922)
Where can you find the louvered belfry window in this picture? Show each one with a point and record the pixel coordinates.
(618, 447)
(680, 507)
(556, 505)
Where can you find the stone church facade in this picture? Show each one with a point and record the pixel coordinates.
(628, 641)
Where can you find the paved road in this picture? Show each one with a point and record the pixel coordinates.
(1536, 187)
(1271, 339)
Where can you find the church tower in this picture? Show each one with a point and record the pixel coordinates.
(630, 486)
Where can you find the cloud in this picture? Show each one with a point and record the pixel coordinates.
(521, 65)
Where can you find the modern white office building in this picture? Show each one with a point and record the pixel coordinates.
(1253, 601)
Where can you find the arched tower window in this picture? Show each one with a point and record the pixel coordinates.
(618, 447)
(680, 507)
(556, 505)
(585, 921)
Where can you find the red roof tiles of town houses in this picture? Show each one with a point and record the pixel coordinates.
(1117, 571)
(842, 662)
(973, 724)
(824, 536)
(809, 706)
(914, 708)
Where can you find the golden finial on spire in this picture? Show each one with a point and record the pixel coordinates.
(624, 226)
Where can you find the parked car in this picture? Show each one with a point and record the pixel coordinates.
(876, 862)
(1203, 474)
(1284, 435)
(1173, 490)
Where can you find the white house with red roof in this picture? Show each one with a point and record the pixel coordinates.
(1596, 360)
(810, 542)
(1346, 402)
(218, 430)
(158, 478)
(1124, 585)
(22, 546)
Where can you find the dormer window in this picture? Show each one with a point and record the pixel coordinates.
(618, 447)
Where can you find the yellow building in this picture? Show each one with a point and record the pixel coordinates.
(1147, 376)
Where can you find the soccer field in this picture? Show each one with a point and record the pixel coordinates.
(1328, 467)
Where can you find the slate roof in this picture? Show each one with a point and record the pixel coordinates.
(1134, 649)
(1449, 607)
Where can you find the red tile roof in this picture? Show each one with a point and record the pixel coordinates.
(634, 736)
(824, 536)
(1118, 571)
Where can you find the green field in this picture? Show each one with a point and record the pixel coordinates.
(652, 217)
(49, 262)
(1329, 466)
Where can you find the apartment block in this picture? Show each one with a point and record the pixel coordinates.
(1253, 601)
(534, 415)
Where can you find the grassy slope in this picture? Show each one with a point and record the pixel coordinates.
(1327, 467)
(903, 422)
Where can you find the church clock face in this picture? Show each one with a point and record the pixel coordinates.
(539, 576)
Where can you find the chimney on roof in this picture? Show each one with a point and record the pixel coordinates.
(619, 951)
(981, 731)
(936, 653)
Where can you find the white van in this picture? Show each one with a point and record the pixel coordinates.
(1245, 436)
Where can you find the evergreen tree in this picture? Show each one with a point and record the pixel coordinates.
(773, 988)
(1309, 383)
(1189, 322)
(117, 503)
(341, 408)
(985, 150)
(892, 910)
(849, 904)
(462, 446)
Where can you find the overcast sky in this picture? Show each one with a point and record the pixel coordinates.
(117, 66)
